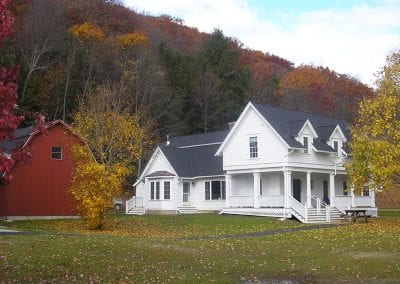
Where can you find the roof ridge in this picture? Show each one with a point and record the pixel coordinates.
(188, 135)
(306, 112)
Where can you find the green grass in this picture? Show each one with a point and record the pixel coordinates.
(153, 226)
(353, 254)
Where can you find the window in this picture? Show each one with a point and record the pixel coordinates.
(155, 190)
(345, 191)
(253, 147)
(305, 143)
(56, 153)
(365, 191)
(152, 190)
(336, 148)
(167, 190)
(208, 190)
(260, 186)
(215, 190)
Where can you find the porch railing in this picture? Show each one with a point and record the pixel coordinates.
(362, 201)
(299, 208)
(133, 202)
(271, 200)
(241, 200)
(341, 205)
(359, 201)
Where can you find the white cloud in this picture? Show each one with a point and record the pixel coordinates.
(353, 41)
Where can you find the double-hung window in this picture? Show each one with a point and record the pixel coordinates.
(365, 191)
(305, 144)
(253, 145)
(167, 190)
(336, 148)
(155, 190)
(215, 190)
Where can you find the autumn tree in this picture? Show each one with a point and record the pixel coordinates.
(375, 145)
(9, 121)
(41, 34)
(89, 37)
(114, 138)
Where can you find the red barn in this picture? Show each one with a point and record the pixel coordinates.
(40, 188)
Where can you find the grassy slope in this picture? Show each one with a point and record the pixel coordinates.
(353, 253)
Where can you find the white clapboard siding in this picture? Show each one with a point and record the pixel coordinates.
(271, 150)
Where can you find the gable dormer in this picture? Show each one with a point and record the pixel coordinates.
(306, 135)
(336, 140)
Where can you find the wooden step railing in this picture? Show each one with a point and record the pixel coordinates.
(299, 208)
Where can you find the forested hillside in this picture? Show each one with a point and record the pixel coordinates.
(175, 79)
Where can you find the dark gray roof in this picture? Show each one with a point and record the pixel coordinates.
(191, 158)
(194, 161)
(288, 123)
(198, 139)
(20, 136)
(160, 174)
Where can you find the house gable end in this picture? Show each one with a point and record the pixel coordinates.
(157, 162)
(232, 132)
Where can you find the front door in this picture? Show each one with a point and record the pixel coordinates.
(325, 191)
(297, 189)
(186, 192)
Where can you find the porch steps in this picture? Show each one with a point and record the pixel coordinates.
(315, 217)
(188, 209)
(136, 211)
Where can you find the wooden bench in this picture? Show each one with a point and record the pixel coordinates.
(354, 214)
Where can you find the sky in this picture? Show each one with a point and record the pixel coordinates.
(349, 36)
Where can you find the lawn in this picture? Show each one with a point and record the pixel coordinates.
(151, 249)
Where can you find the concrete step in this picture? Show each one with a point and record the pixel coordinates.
(188, 210)
(137, 211)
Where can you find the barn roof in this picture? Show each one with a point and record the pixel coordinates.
(20, 135)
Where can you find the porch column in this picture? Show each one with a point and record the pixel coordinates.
(331, 188)
(256, 187)
(228, 182)
(372, 194)
(309, 189)
(352, 197)
(287, 180)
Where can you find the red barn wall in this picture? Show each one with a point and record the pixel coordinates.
(41, 187)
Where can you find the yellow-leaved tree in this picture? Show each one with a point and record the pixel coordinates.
(114, 138)
(375, 144)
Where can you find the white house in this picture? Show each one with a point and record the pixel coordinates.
(272, 162)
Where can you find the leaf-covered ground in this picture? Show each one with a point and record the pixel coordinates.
(354, 254)
(152, 226)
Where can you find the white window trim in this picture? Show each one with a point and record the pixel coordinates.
(61, 152)
(210, 183)
(254, 148)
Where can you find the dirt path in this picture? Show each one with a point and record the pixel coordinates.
(269, 233)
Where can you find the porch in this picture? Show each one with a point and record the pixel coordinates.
(309, 196)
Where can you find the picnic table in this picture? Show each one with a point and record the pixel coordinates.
(354, 214)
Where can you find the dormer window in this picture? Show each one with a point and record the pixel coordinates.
(305, 144)
(253, 146)
(336, 147)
